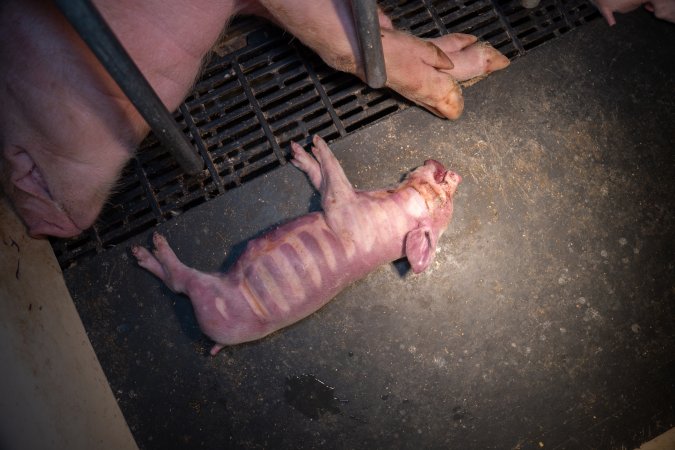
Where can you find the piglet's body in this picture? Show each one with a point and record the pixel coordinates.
(298, 267)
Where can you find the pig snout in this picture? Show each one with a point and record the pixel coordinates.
(443, 176)
(439, 169)
(434, 174)
(452, 177)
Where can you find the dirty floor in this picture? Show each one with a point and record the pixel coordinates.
(547, 319)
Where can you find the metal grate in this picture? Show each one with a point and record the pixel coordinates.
(261, 89)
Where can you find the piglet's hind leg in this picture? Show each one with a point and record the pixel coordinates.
(164, 264)
(147, 261)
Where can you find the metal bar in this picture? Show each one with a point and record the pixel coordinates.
(262, 120)
(506, 25)
(442, 29)
(368, 32)
(320, 90)
(189, 120)
(147, 189)
(96, 33)
(568, 21)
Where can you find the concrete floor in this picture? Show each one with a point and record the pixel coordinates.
(546, 320)
(53, 392)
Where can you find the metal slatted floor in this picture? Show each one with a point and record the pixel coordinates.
(262, 88)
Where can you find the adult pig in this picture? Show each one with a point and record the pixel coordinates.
(298, 267)
(66, 129)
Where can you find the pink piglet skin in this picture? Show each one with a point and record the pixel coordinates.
(295, 269)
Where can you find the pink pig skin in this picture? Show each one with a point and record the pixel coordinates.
(662, 9)
(298, 267)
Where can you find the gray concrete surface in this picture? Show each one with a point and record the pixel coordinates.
(546, 319)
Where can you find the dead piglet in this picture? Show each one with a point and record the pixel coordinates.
(294, 270)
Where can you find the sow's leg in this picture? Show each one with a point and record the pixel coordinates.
(420, 70)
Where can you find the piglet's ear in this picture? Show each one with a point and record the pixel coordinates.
(420, 246)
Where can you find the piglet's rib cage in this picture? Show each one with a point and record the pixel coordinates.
(261, 89)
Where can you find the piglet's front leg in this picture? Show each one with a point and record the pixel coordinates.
(324, 172)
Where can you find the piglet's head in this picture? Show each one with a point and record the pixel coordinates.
(434, 183)
(437, 186)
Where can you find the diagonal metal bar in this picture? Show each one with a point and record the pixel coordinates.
(189, 120)
(367, 27)
(442, 29)
(506, 25)
(96, 33)
(320, 90)
(258, 112)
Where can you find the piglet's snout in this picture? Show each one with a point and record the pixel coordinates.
(452, 178)
(439, 169)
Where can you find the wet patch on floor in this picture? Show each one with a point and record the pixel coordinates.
(311, 396)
